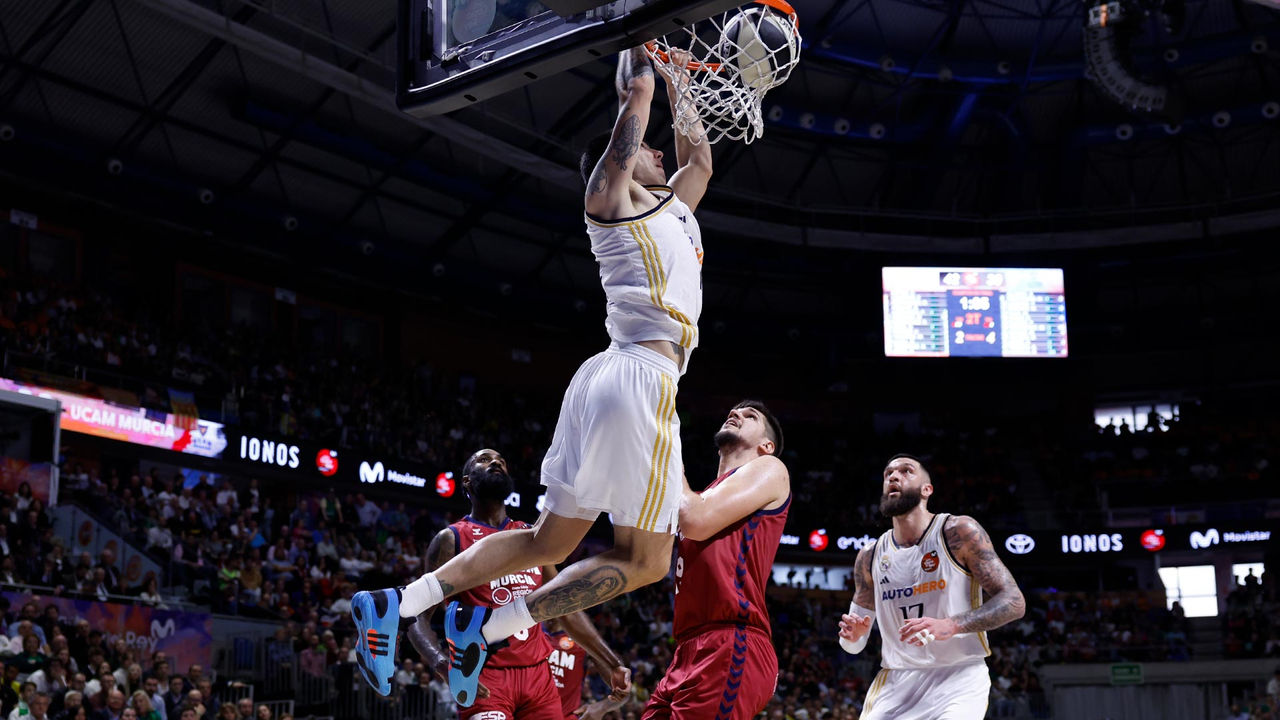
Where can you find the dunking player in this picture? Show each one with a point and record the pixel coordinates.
(616, 446)
(724, 666)
(517, 682)
(923, 581)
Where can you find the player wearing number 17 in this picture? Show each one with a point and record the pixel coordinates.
(724, 666)
(923, 581)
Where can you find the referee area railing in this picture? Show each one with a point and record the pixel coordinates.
(338, 690)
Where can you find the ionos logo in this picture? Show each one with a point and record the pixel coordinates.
(1112, 542)
(1019, 544)
(268, 451)
(857, 543)
(921, 589)
(1203, 540)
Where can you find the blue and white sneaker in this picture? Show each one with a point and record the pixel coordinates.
(377, 616)
(468, 650)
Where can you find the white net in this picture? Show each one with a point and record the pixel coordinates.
(722, 67)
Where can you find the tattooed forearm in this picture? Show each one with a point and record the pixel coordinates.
(625, 142)
(593, 588)
(864, 593)
(972, 546)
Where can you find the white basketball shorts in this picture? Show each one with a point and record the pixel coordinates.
(958, 692)
(616, 447)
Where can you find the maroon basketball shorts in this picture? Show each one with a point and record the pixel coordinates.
(521, 693)
(722, 672)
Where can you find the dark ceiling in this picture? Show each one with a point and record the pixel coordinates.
(993, 138)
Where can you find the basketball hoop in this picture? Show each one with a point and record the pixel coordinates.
(722, 67)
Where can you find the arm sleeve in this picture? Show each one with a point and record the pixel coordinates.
(853, 648)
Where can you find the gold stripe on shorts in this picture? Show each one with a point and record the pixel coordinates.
(659, 442)
(872, 692)
(666, 455)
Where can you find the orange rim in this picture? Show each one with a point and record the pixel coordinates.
(696, 66)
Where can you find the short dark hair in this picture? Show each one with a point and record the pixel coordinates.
(909, 456)
(591, 155)
(775, 428)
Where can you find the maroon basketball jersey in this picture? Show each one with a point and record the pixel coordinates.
(721, 580)
(527, 647)
(568, 669)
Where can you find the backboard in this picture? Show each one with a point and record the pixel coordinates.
(454, 53)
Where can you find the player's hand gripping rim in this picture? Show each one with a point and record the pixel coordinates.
(926, 630)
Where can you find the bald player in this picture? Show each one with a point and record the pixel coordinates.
(518, 682)
(923, 582)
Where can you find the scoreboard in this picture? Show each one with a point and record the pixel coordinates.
(974, 312)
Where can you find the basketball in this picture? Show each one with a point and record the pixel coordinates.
(763, 45)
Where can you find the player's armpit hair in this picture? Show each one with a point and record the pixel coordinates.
(1006, 603)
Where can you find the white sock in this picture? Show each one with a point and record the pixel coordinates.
(507, 621)
(420, 595)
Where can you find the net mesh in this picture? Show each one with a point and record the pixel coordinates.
(722, 67)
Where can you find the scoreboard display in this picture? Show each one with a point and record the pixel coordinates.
(974, 312)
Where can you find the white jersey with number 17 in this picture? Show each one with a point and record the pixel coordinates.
(923, 580)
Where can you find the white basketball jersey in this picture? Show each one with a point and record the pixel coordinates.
(923, 581)
(651, 270)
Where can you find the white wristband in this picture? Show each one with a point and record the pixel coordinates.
(849, 646)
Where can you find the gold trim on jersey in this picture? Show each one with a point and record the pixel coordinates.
(877, 685)
(663, 204)
(975, 601)
(657, 278)
(662, 445)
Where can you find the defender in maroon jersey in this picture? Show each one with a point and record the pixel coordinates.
(568, 667)
(516, 683)
(724, 667)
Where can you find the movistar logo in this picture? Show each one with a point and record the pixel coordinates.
(371, 473)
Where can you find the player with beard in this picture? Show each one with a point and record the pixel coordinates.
(516, 683)
(923, 581)
(724, 664)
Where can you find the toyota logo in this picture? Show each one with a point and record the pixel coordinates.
(1020, 544)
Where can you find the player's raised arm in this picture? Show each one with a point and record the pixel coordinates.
(609, 186)
(855, 626)
(762, 484)
(694, 159)
(972, 547)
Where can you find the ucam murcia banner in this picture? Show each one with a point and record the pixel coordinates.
(186, 637)
(93, 416)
